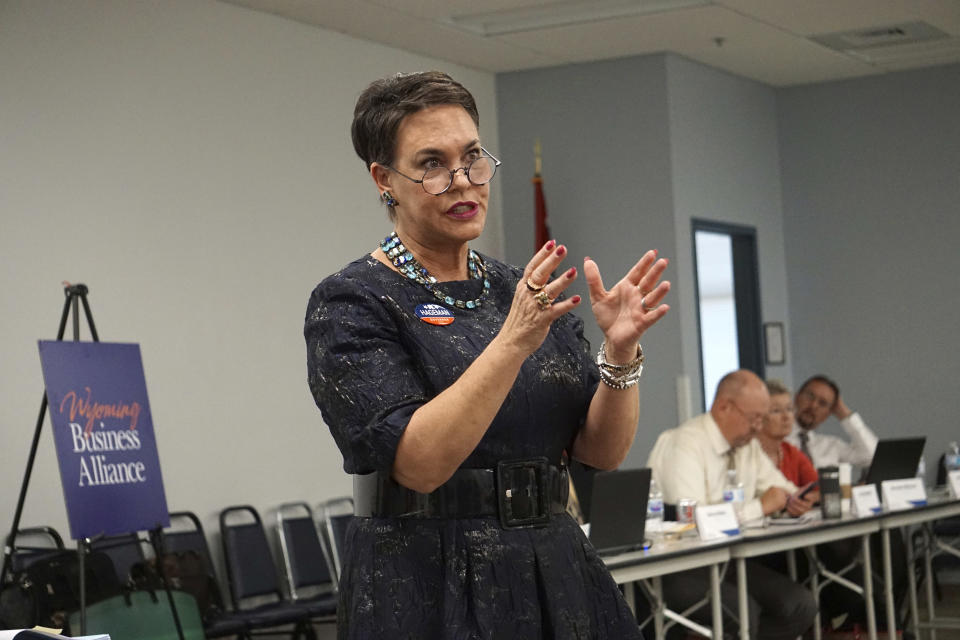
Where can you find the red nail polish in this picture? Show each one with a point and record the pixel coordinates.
(561, 250)
(587, 258)
(575, 299)
(549, 245)
(572, 272)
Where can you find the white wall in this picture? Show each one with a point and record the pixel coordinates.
(190, 162)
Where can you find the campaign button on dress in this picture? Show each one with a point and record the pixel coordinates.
(434, 314)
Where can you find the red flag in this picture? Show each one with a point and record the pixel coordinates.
(542, 231)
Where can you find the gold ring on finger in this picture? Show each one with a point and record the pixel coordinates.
(543, 300)
(533, 286)
(643, 305)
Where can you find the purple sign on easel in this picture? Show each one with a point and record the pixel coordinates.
(104, 437)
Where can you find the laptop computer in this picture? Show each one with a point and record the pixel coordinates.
(895, 459)
(618, 510)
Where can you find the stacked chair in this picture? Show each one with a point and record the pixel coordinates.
(33, 544)
(137, 607)
(307, 562)
(186, 538)
(253, 578)
(335, 515)
(126, 551)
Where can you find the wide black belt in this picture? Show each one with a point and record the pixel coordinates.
(521, 493)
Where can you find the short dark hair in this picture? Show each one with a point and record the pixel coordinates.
(385, 103)
(825, 380)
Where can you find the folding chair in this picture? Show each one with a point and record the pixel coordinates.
(306, 560)
(251, 573)
(124, 550)
(32, 544)
(335, 515)
(184, 536)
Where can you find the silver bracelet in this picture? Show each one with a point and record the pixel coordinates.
(622, 382)
(619, 376)
(634, 364)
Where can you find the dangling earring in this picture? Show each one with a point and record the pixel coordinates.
(388, 199)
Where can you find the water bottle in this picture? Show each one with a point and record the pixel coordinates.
(951, 459)
(654, 508)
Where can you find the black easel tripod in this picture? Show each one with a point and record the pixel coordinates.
(74, 294)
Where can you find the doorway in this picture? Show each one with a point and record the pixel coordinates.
(727, 282)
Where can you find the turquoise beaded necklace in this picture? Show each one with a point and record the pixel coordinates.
(409, 266)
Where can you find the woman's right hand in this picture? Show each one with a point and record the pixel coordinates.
(529, 320)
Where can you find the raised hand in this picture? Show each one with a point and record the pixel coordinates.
(631, 306)
(533, 308)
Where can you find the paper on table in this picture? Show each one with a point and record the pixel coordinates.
(804, 519)
(47, 634)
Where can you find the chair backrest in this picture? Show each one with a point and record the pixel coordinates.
(251, 571)
(335, 515)
(186, 534)
(33, 544)
(124, 550)
(305, 557)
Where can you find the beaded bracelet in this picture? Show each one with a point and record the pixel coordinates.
(619, 376)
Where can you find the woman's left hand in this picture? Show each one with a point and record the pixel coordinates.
(631, 306)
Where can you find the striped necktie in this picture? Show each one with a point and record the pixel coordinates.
(804, 442)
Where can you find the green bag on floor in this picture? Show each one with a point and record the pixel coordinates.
(142, 618)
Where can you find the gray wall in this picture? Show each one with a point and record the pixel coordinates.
(723, 135)
(871, 185)
(633, 149)
(606, 170)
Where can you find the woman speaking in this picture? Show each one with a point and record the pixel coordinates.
(456, 386)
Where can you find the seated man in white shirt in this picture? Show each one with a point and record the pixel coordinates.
(816, 400)
(691, 461)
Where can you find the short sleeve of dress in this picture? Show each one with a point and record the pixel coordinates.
(359, 373)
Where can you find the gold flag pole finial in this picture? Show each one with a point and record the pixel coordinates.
(538, 159)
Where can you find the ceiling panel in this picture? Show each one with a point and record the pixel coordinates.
(766, 40)
(813, 17)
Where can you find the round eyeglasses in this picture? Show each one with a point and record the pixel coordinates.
(437, 180)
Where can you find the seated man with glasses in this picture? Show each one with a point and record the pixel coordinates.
(692, 462)
(818, 399)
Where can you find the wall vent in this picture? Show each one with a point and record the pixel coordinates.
(897, 34)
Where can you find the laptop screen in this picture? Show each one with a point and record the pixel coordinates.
(618, 509)
(895, 459)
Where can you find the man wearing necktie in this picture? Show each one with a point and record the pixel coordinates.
(816, 400)
(692, 461)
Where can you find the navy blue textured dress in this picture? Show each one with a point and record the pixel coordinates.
(371, 363)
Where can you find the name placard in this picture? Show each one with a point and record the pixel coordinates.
(717, 521)
(903, 494)
(864, 501)
(953, 483)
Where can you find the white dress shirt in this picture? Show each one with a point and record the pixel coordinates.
(691, 462)
(829, 451)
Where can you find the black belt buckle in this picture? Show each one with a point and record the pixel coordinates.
(523, 493)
